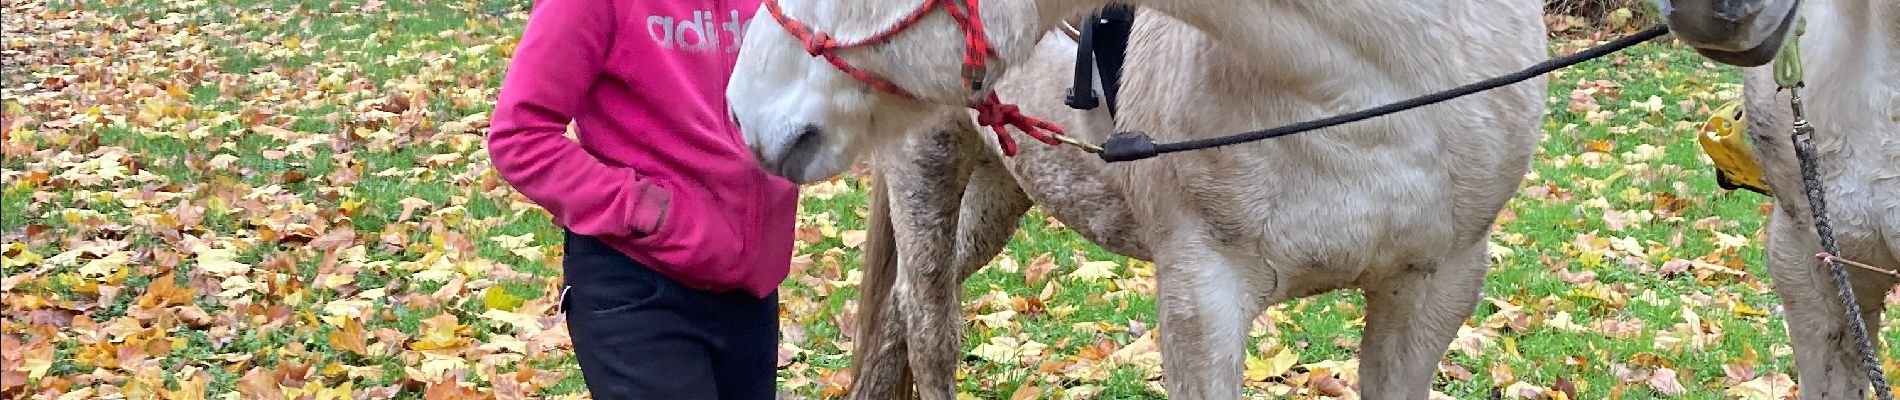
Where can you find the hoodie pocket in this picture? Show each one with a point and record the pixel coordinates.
(697, 243)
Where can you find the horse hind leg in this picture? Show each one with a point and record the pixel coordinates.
(1411, 318)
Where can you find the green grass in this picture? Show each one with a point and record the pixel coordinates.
(203, 178)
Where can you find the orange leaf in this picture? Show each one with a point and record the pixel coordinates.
(350, 337)
(259, 383)
(1028, 391)
(449, 390)
(163, 292)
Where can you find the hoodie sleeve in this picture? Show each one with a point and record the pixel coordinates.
(559, 57)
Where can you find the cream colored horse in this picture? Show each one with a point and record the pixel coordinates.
(1399, 207)
(1851, 53)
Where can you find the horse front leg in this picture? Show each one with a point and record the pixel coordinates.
(928, 177)
(1826, 358)
(992, 210)
(1205, 306)
(1411, 319)
(878, 362)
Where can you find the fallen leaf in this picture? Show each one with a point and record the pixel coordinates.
(1664, 381)
(1770, 386)
(1038, 269)
(1094, 271)
(1259, 369)
(350, 336)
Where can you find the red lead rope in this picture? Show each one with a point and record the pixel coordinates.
(990, 112)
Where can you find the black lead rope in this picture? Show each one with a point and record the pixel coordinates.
(1128, 146)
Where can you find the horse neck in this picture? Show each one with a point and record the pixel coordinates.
(1848, 55)
(1869, 25)
(1854, 37)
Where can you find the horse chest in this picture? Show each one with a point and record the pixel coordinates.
(1854, 105)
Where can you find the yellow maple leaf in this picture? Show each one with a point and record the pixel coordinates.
(526, 324)
(1259, 369)
(498, 299)
(997, 320)
(17, 255)
(36, 360)
(220, 262)
(1094, 271)
(440, 332)
(105, 266)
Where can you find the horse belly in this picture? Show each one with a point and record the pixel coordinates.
(1342, 214)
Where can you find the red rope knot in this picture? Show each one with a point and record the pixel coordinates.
(994, 114)
(818, 43)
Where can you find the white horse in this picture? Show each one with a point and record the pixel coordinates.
(1851, 56)
(1399, 207)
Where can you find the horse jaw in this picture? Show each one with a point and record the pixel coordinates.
(807, 121)
(1743, 33)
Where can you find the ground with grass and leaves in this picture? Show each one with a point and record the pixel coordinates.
(286, 199)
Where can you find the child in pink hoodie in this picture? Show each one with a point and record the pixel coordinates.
(676, 241)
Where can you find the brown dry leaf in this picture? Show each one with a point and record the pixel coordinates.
(1577, 277)
(1566, 387)
(1038, 269)
(259, 383)
(194, 317)
(12, 376)
(409, 206)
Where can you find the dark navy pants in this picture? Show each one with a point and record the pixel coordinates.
(641, 335)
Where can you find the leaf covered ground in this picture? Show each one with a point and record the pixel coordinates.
(284, 199)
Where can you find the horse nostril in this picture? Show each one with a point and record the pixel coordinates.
(804, 147)
(807, 131)
(807, 138)
(1739, 10)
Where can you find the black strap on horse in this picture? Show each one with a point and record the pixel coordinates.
(1103, 42)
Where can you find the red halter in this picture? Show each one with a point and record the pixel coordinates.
(990, 112)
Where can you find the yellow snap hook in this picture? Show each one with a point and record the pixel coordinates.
(1724, 138)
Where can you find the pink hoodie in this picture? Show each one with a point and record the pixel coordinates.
(644, 82)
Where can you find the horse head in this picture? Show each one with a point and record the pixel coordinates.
(1743, 33)
(828, 80)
